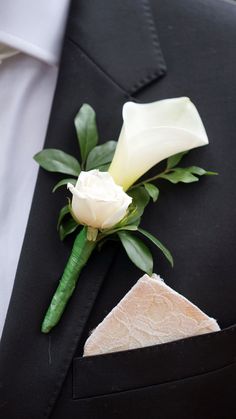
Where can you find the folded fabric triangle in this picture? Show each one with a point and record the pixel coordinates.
(150, 313)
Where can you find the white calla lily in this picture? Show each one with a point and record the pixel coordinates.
(153, 132)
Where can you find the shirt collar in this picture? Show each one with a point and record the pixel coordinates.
(36, 28)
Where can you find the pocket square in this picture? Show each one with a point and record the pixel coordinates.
(150, 313)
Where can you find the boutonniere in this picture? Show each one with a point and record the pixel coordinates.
(108, 197)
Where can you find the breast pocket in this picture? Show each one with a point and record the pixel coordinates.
(135, 369)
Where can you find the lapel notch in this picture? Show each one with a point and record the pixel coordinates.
(121, 38)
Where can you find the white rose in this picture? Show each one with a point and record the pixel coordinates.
(152, 132)
(97, 200)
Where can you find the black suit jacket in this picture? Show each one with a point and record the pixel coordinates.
(112, 54)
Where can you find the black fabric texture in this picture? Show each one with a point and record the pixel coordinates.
(112, 54)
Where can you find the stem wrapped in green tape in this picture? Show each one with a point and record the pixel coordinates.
(80, 254)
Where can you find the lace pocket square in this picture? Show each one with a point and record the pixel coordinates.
(150, 313)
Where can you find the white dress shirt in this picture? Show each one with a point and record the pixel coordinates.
(27, 83)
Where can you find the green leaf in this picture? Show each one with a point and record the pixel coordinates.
(104, 167)
(55, 160)
(180, 175)
(67, 228)
(63, 212)
(140, 200)
(160, 246)
(101, 155)
(137, 251)
(174, 160)
(200, 172)
(152, 190)
(86, 129)
(64, 182)
(185, 174)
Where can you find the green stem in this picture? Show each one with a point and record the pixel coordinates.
(151, 179)
(80, 254)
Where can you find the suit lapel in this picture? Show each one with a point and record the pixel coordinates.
(92, 71)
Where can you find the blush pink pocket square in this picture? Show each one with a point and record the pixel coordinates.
(150, 313)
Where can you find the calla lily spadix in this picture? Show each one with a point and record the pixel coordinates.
(153, 132)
